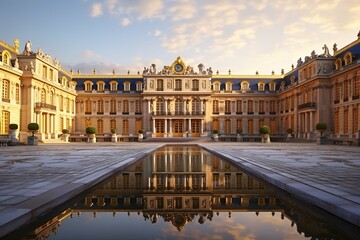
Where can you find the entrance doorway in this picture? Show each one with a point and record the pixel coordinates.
(160, 127)
(178, 128)
(195, 127)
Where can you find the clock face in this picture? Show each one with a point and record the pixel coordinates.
(178, 67)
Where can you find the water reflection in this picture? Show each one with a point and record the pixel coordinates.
(184, 185)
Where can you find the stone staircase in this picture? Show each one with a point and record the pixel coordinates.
(55, 141)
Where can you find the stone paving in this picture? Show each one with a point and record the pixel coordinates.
(35, 179)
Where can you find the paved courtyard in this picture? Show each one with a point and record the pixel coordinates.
(35, 179)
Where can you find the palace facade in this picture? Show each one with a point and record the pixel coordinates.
(180, 101)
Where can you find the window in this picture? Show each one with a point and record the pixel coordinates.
(17, 93)
(44, 73)
(139, 86)
(113, 86)
(160, 110)
(178, 85)
(51, 74)
(100, 126)
(356, 87)
(346, 121)
(272, 87)
(6, 58)
(5, 121)
(196, 107)
(348, 58)
(125, 126)
(159, 85)
(100, 106)
(250, 109)
(67, 123)
(292, 80)
(244, 86)
(195, 85)
(61, 103)
(6, 90)
(228, 86)
(337, 92)
(100, 86)
(72, 106)
(250, 126)
(112, 124)
(43, 96)
(261, 87)
(179, 106)
(238, 107)
(346, 90)
(227, 126)
(127, 86)
(88, 86)
(215, 107)
(261, 107)
(239, 126)
(227, 107)
(112, 106)
(356, 120)
(272, 107)
(68, 105)
(87, 122)
(125, 107)
(88, 108)
(61, 123)
(216, 86)
(338, 63)
(138, 108)
(272, 126)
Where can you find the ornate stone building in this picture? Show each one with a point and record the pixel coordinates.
(182, 101)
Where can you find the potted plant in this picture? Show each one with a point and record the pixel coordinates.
(90, 131)
(33, 127)
(321, 127)
(12, 133)
(215, 135)
(141, 135)
(264, 134)
(239, 132)
(113, 135)
(66, 134)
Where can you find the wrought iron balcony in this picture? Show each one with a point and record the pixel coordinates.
(45, 106)
(307, 105)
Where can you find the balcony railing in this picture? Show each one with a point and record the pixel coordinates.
(45, 106)
(307, 105)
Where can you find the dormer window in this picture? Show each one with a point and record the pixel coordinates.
(338, 63)
(261, 87)
(228, 86)
(6, 58)
(88, 86)
(113, 86)
(139, 86)
(100, 86)
(292, 80)
(216, 86)
(348, 58)
(272, 87)
(244, 86)
(126, 86)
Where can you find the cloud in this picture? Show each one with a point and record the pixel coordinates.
(157, 33)
(87, 54)
(96, 10)
(183, 10)
(125, 22)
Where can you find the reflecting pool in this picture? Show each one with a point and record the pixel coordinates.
(185, 192)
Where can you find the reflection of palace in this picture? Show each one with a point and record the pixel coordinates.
(195, 190)
(179, 100)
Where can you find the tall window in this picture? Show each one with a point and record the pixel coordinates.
(160, 85)
(346, 90)
(228, 86)
(100, 86)
(43, 96)
(113, 86)
(337, 92)
(112, 124)
(196, 106)
(227, 126)
(44, 73)
(100, 126)
(261, 107)
(112, 106)
(160, 109)
(127, 86)
(68, 105)
(5, 121)
(88, 86)
(88, 108)
(272, 126)
(238, 107)
(138, 108)
(239, 125)
(346, 122)
(178, 85)
(17, 93)
(357, 86)
(61, 103)
(272, 107)
(227, 107)
(6, 58)
(272, 87)
(195, 85)
(125, 107)
(125, 126)
(216, 86)
(250, 126)
(261, 87)
(51, 98)
(100, 106)
(215, 107)
(179, 106)
(250, 107)
(51, 74)
(61, 123)
(355, 120)
(139, 86)
(336, 122)
(6, 90)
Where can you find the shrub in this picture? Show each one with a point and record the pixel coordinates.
(239, 131)
(90, 130)
(65, 131)
(141, 131)
(264, 130)
(113, 130)
(215, 131)
(13, 126)
(33, 127)
(289, 131)
(321, 127)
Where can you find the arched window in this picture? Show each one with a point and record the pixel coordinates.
(88, 86)
(261, 87)
(245, 86)
(100, 108)
(348, 58)
(215, 107)
(113, 86)
(6, 57)
(100, 126)
(179, 107)
(338, 63)
(112, 106)
(43, 95)
(216, 86)
(196, 106)
(100, 86)
(228, 86)
(139, 86)
(127, 86)
(272, 87)
(160, 107)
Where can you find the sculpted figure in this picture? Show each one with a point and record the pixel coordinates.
(299, 62)
(27, 49)
(335, 47)
(153, 69)
(201, 68)
(326, 51)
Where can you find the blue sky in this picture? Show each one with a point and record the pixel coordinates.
(244, 36)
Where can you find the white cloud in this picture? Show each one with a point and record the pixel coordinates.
(125, 22)
(157, 33)
(96, 10)
(87, 54)
(183, 10)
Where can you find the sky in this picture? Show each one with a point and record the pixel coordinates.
(128, 35)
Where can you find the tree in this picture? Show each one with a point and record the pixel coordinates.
(33, 127)
(321, 127)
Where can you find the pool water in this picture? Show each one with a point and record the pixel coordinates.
(185, 192)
